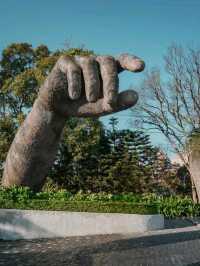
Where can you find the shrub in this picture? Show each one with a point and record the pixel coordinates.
(81, 206)
(172, 206)
(16, 194)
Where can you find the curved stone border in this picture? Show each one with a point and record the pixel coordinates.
(29, 224)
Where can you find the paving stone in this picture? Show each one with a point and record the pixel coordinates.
(167, 247)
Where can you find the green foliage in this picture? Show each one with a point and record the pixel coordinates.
(172, 206)
(76, 166)
(23, 69)
(23, 198)
(178, 207)
(16, 194)
(7, 131)
(77, 51)
(93, 159)
(79, 206)
(16, 58)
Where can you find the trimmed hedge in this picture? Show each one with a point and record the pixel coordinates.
(81, 206)
(171, 206)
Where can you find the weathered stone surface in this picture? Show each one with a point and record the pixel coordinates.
(77, 86)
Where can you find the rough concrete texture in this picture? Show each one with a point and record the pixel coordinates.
(78, 87)
(169, 247)
(28, 224)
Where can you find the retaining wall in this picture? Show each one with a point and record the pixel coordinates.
(29, 224)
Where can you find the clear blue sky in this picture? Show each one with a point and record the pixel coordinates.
(145, 28)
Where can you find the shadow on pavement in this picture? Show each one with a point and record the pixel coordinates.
(88, 253)
(180, 222)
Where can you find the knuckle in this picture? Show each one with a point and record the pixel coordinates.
(65, 63)
(88, 60)
(105, 58)
(63, 58)
(91, 97)
(108, 65)
(85, 60)
(90, 71)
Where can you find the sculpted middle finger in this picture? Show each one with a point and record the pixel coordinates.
(91, 77)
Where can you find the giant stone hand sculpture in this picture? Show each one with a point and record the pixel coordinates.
(77, 86)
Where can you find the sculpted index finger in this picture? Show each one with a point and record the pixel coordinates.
(130, 62)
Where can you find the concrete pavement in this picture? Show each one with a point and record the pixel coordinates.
(174, 246)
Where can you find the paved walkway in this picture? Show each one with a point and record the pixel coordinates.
(180, 246)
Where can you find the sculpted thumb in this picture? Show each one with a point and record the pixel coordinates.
(126, 99)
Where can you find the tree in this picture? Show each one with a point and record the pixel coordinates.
(90, 158)
(83, 143)
(7, 132)
(22, 71)
(129, 167)
(172, 106)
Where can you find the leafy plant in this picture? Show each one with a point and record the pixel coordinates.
(18, 194)
(172, 206)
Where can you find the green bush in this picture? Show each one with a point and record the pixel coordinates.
(81, 206)
(16, 194)
(172, 206)
(61, 195)
(178, 207)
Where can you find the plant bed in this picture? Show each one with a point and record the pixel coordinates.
(81, 206)
(170, 206)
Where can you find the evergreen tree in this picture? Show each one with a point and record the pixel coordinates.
(84, 142)
(129, 165)
(7, 132)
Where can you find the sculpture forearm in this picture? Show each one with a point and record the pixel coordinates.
(33, 149)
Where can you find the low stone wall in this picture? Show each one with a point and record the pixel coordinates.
(29, 224)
